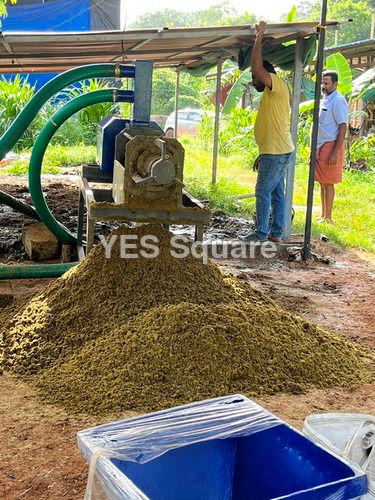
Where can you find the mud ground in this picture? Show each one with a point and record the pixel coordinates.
(39, 455)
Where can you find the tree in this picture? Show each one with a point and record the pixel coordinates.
(163, 91)
(217, 15)
(372, 7)
(358, 10)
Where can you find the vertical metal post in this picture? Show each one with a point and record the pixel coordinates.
(217, 119)
(90, 232)
(81, 208)
(314, 133)
(336, 37)
(176, 102)
(297, 84)
(142, 91)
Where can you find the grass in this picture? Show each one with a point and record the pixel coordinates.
(55, 158)
(354, 207)
(234, 177)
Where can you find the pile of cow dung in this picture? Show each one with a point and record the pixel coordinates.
(149, 333)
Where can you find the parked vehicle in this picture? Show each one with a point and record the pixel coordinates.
(188, 121)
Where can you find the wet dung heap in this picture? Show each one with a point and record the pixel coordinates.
(145, 334)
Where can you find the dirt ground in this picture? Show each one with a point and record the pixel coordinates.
(40, 458)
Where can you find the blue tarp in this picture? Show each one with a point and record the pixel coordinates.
(56, 15)
(60, 15)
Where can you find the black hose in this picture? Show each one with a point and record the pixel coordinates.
(19, 205)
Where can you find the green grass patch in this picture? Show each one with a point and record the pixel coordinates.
(354, 207)
(234, 177)
(55, 158)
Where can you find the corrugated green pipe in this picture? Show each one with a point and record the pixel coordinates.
(40, 146)
(23, 120)
(19, 271)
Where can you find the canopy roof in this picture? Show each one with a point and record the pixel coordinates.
(46, 52)
(359, 54)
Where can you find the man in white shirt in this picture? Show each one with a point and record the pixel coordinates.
(333, 118)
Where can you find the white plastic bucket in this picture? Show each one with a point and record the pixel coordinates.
(349, 435)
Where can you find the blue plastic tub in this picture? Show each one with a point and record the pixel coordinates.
(256, 461)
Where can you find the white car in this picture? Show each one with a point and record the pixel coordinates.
(188, 121)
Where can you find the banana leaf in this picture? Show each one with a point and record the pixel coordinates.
(308, 87)
(362, 82)
(369, 94)
(306, 106)
(236, 92)
(338, 63)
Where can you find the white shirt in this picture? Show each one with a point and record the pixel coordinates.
(333, 112)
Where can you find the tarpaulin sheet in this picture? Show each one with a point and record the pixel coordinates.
(56, 15)
(281, 56)
(61, 15)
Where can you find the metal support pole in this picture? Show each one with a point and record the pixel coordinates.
(297, 84)
(142, 91)
(217, 119)
(336, 37)
(314, 133)
(81, 208)
(90, 232)
(176, 102)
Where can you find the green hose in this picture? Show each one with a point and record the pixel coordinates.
(40, 145)
(23, 120)
(20, 271)
(18, 127)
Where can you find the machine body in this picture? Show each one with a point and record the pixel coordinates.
(143, 170)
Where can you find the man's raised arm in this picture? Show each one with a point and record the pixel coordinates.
(257, 60)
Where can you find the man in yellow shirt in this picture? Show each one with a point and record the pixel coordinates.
(275, 145)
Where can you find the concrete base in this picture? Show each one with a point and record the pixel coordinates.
(6, 293)
(39, 242)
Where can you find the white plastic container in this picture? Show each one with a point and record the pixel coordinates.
(349, 435)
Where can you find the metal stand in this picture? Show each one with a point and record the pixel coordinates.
(191, 213)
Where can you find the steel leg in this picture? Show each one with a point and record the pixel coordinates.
(81, 208)
(89, 234)
(199, 231)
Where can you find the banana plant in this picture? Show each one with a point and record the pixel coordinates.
(364, 86)
(237, 90)
(337, 62)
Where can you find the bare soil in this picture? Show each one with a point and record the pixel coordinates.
(39, 455)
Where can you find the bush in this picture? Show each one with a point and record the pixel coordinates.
(79, 129)
(14, 95)
(236, 134)
(163, 91)
(364, 147)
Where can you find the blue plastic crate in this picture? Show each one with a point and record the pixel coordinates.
(237, 456)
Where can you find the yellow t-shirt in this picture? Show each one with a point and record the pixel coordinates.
(271, 129)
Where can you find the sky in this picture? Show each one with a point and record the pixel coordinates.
(269, 9)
